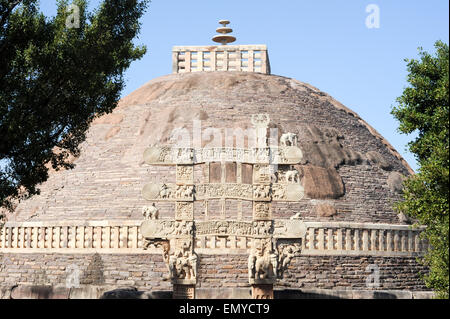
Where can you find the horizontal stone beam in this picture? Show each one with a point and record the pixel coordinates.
(167, 155)
(125, 237)
(252, 192)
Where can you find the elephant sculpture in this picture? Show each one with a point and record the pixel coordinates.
(289, 139)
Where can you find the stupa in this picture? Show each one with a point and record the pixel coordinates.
(219, 181)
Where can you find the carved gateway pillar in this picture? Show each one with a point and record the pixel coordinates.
(273, 242)
(175, 238)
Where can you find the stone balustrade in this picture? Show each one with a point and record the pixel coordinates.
(342, 238)
(117, 237)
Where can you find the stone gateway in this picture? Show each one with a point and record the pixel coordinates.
(219, 181)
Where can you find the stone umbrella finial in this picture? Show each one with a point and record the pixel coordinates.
(223, 37)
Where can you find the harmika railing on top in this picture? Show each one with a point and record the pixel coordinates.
(243, 58)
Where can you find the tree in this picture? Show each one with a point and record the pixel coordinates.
(424, 108)
(56, 75)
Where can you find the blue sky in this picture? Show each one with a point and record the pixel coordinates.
(323, 42)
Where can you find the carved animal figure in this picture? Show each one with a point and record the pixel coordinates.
(292, 176)
(150, 212)
(289, 139)
(262, 191)
(165, 192)
(296, 216)
(278, 193)
(263, 267)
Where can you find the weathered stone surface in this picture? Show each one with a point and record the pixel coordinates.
(322, 183)
(377, 159)
(395, 182)
(39, 292)
(325, 210)
(109, 175)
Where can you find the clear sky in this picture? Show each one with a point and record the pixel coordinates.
(322, 42)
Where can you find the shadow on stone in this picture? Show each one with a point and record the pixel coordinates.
(133, 293)
(297, 294)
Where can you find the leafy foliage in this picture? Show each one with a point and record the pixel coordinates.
(55, 79)
(424, 108)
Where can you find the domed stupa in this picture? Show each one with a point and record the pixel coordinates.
(219, 181)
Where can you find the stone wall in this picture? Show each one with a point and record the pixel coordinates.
(148, 272)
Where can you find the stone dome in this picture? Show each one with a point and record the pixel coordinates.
(317, 223)
(350, 172)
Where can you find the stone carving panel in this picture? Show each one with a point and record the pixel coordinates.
(185, 174)
(223, 227)
(218, 191)
(261, 174)
(184, 211)
(166, 229)
(289, 192)
(263, 228)
(167, 155)
(262, 192)
(261, 211)
(164, 192)
(289, 228)
(286, 252)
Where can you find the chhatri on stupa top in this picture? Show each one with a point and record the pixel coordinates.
(223, 57)
(223, 37)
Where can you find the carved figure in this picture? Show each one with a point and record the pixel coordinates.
(285, 255)
(292, 176)
(262, 191)
(262, 262)
(165, 192)
(278, 193)
(289, 139)
(183, 263)
(150, 212)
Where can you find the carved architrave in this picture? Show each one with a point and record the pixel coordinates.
(262, 211)
(158, 229)
(289, 228)
(168, 192)
(263, 228)
(262, 291)
(224, 227)
(184, 211)
(262, 192)
(219, 191)
(287, 175)
(185, 174)
(288, 192)
(166, 229)
(167, 155)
